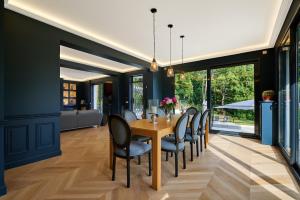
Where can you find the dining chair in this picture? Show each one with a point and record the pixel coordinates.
(191, 111)
(176, 143)
(123, 146)
(192, 137)
(202, 128)
(129, 117)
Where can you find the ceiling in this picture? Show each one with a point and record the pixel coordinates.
(213, 28)
(78, 75)
(94, 61)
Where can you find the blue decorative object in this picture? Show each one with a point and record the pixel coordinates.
(266, 122)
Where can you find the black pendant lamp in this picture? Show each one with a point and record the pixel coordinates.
(182, 76)
(154, 65)
(170, 70)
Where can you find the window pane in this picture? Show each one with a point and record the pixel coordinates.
(137, 96)
(232, 98)
(284, 96)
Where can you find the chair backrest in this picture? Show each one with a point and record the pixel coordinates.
(203, 121)
(180, 127)
(129, 116)
(195, 123)
(191, 110)
(119, 130)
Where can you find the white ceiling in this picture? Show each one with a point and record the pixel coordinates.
(94, 61)
(213, 28)
(78, 75)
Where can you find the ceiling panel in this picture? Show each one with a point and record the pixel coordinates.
(78, 75)
(213, 28)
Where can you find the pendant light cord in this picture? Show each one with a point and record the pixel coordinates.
(182, 50)
(170, 46)
(154, 34)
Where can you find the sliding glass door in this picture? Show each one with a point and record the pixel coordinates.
(191, 90)
(232, 99)
(284, 99)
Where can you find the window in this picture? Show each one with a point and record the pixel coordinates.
(98, 97)
(137, 95)
(284, 99)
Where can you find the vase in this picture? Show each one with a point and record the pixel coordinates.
(168, 116)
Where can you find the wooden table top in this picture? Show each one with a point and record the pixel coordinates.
(146, 127)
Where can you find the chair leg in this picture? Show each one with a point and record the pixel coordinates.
(171, 154)
(128, 172)
(114, 168)
(150, 163)
(176, 164)
(167, 156)
(184, 159)
(197, 147)
(201, 143)
(139, 160)
(204, 141)
(191, 144)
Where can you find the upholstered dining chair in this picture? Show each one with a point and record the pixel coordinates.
(192, 137)
(191, 111)
(123, 146)
(202, 130)
(129, 117)
(176, 143)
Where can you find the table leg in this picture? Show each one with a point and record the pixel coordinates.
(156, 166)
(110, 152)
(206, 132)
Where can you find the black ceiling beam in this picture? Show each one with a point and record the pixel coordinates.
(87, 68)
(107, 52)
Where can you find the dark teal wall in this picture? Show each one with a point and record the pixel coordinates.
(2, 184)
(32, 85)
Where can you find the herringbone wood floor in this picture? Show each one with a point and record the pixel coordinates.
(231, 168)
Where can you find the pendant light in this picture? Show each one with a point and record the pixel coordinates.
(170, 70)
(154, 65)
(182, 76)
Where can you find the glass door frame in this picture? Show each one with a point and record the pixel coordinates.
(257, 95)
(131, 101)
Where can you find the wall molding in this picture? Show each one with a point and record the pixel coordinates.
(30, 116)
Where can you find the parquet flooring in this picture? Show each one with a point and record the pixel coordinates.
(231, 168)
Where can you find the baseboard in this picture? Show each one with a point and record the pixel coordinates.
(3, 190)
(40, 157)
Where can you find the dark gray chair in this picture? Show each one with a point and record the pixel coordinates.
(129, 117)
(175, 144)
(123, 146)
(202, 130)
(192, 137)
(191, 111)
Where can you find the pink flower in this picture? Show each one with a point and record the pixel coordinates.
(174, 100)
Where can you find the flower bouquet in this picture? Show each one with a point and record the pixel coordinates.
(168, 104)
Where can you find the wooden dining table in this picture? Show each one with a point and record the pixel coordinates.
(156, 131)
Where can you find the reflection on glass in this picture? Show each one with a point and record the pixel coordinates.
(72, 101)
(284, 95)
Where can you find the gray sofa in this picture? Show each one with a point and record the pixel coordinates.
(79, 119)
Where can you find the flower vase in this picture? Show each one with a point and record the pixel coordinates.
(169, 116)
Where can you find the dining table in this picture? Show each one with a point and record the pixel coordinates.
(156, 131)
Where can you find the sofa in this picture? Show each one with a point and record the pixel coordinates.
(70, 120)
